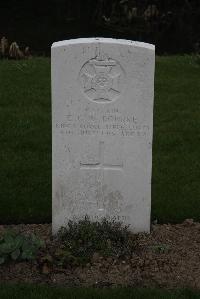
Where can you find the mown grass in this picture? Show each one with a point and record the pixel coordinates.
(176, 147)
(25, 140)
(9, 291)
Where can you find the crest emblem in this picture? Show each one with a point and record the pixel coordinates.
(101, 79)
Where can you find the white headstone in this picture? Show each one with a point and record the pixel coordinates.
(102, 111)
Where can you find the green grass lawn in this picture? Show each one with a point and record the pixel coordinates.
(25, 140)
(8, 291)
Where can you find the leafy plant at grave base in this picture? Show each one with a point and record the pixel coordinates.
(80, 240)
(17, 247)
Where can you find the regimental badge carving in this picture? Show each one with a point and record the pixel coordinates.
(102, 79)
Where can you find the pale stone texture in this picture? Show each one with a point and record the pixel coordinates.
(102, 125)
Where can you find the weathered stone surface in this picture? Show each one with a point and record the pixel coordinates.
(102, 125)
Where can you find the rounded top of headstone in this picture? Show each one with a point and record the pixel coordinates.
(103, 40)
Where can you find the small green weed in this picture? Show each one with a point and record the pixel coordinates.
(160, 248)
(16, 246)
(80, 240)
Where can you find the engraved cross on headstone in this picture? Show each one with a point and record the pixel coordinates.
(101, 164)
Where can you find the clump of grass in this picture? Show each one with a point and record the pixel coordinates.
(81, 240)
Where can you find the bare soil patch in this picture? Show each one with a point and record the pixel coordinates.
(169, 257)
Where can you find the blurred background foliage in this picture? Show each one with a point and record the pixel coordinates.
(173, 25)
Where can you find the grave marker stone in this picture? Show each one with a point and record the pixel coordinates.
(102, 126)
